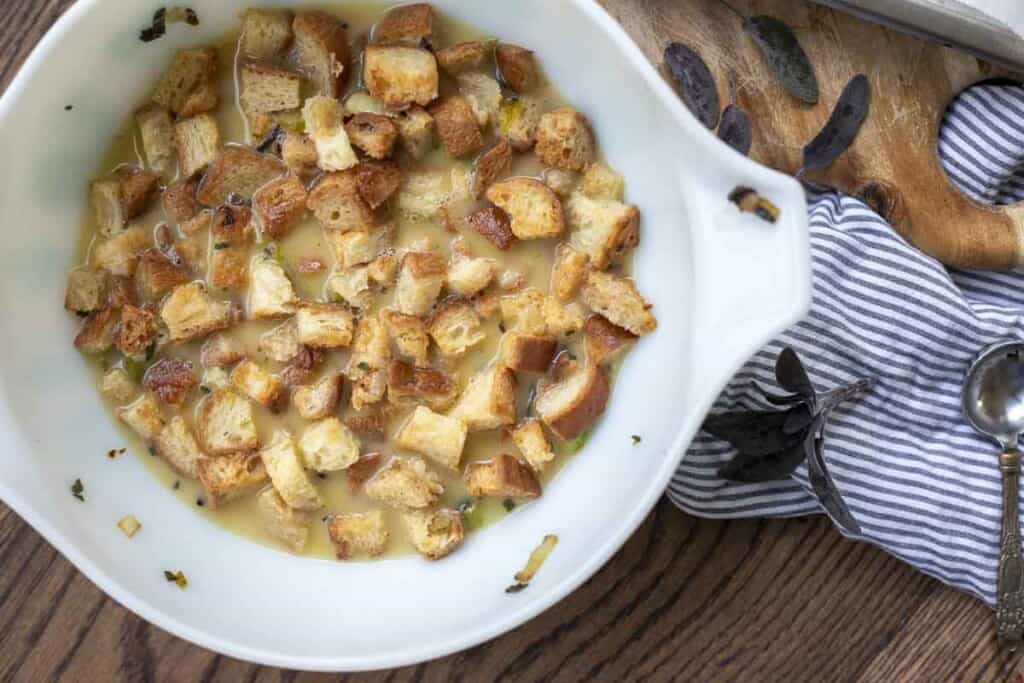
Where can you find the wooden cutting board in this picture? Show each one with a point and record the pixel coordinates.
(893, 160)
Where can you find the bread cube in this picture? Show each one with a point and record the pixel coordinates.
(467, 276)
(287, 473)
(117, 386)
(280, 343)
(375, 134)
(229, 260)
(564, 140)
(563, 182)
(144, 416)
(231, 476)
(405, 482)
(568, 272)
(157, 275)
(321, 49)
(528, 353)
(419, 282)
(455, 327)
(384, 269)
(405, 25)
(570, 406)
(179, 200)
(494, 225)
(361, 102)
(358, 533)
(617, 299)
(400, 76)
(603, 341)
(119, 255)
(279, 205)
(377, 181)
(271, 294)
(220, 350)
(603, 229)
(457, 126)
(516, 67)
(237, 171)
(266, 89)
(136, 333)
(439, 437)
(601, 182)
(198, 142)
(502, 477)
(531, 441)
(178, 446)
(493, 164)
(434, 534)
(256, 383)
(423, 195)
(416, 131)
(189, 86)
(318, 400)
(337, 204)
(86, 290)
(324, 118)
(114, 195)
(518, 121)
(172, 380)
(156, 129)
(409, 385)
(409, 334)
(328, 446)
(489, 400)
(283, 522)
(189, 313)
(325, 326)
(357, 248)
(225, 423)
(96, 335)
(532, 312)
(483, 94)
(298, 152)
(351, 286)
(534, 210)
(266, 33)
(462, 57)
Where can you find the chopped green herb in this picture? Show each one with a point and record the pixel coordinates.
(133, 368)
(68, 107)
(363, 365)
(152, 451)
(501, 327)
(321, 475)
(221, 245)
(508, 504)
(150, 351)
(203, 388)
(200, 502)
(466, 504)
(516, 587)
(177, 485)
(636, 439)
(177, 577)
(575, 445)
(78, 490)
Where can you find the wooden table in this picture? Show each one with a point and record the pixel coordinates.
(685, 599)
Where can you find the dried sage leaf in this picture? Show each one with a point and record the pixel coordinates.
(748, 200)
(734, 129)
(695, 83)
(791, 374)
(841, 128)
(784, 55)
(749, 469)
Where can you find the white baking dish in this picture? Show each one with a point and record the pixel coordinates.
(721, 283)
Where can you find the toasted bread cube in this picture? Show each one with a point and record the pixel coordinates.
(122, 291)
(367, 365)
(518, 121)
(337, 204)
(564, 140)
(324, 326)
(302, 366)
(423, 195)
(375, 134)
(494, 225)
(157, 275)
(267, 88)
(532, 312)
(256, 383)
(117, 386)
(416, 131)
(601, 182)
(358, 248)
(531, 441)
(270, 291)
(377, 181)
(121, 196)
(358, 533)
(188, 87)
(237, 171)
(177, 445)
(533, 208)
(483, 94)
(279, 205)
(489, 401)
(409, 334)
(467, 276)
(328, 446)
(171, 380)
(317, 401)
(198, 142)
(455, 327)
(528, 353)
(405, 25)
(179, 200)
(384, 269)
(232, 476)
(197, 226)
(405, 482)
(439, 437)
(283, 522)
(189, 312)
(144, 416)
(563, 182)
(618, 300)
(516, 67)
(603, 341)
(280, 343)
(225, 423)
(361, 102)
(487, 304)
(97, 332)
(571, 406)
(568, 272)
(419, 282)
(266, 33)
(220, 350)
(287, 473)
(457, 126)
(137, 332)
(321, 49)
(351, 286)
(434, 534)
(216, 378)
(86, 290)
(603, 229)
(119, 255)
(156, 128)
(493, 164)
(462, 57)
(400, 76)
(503, 477)
(324, 118)
(409, 385)
(298, 152)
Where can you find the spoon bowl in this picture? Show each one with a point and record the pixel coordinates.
(993, 395)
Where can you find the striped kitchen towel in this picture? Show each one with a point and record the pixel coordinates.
(920, 482)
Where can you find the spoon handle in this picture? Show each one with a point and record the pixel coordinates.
(1010, 585)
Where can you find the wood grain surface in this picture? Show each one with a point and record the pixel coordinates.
(685, 599)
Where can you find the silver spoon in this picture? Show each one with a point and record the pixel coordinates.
(993, 401)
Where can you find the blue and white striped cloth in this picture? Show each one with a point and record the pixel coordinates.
(920, 482)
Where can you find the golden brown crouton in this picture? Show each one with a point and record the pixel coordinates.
(324, 325)
(171, 380)
(570, 406)
(409, 334)
(237, 171)
(179, 200)
(177, 445)
(189, 312)
(467, 275)
(144, 416)
(568, 272)
(281, 343)
(298, 152)
(530, 311)
(301, 367)
(355, 248)
(434, 534)
(528, 353)
(136, 333)
(157, 275)
(231, 230)
(384, 269)
(419, 282)
(603, 229)
(352, 286)
(256, 383)
(564, 140)
(321, 49)
(489, 401)
(503, 477)
(416, 131)
(461, 57)
(156, 129)
(516, 67)
(601, 182)
(279, 205)
(377, 181)
(484, 96)
(439, 437)
(287, 473)
(563, 182)
(121, 196)
(324, 119)
(455, 327)
(375, 134)
(604, 341)
(271, 294)
(122, 291)
(493, 224)
(96, 334)
(409, 385)
(405, 25)
(618, 300)
(534, 210)
(533, 444)
(337, 204)
(360, 472)
(329, 446)
(405, 482)
(225, 423)
(198, 143)
(518, 120)
(361, 102)
(457, 126)
(492, 165)
(266, 33)
(367, 365)
(119, 255)
(189, 86)
(86, 290)
(423, 195)
(358, 533)
(232, 476)
(221, 350)
(283, 522)
(317, 401)
(267, 89)
(117, 386)
(400, 76)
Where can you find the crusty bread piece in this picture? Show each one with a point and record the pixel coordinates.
(457, 126)
(280, 343)
(456, 59)
(468, 275)
(189, 86)
(231, 232)
(179, 199)
(603, 341)
(221, 350)
(494, 225)
(256, 383)
(362, 102)
(455, 327)
(564, 140)
(489, 400)
(439, 437)
(266, 89)
(377, 181)
(516, 67)
(531, 441)
(483, 94)
(324, 119)
(318, 400)
(351, 286)
(324, 326)
(329, 446)
(283, 522)
(266, 33)
(96, 335)
(198, 142)
(237, 171)
(405, 25)
(568, 271)
(423, 195)
(122, 291)
(601, 182)
(189, 312)
(216, 378)
(617, 299)
(156, 128)
(119, 255)
(287, 474)
(321, 50)
(355, 248)
(121, 196)
(400, 76)
(117, 386)
(491, 166)
(86, 290)
(144, 416)
(298, 152)
(358, 533)
(419, 282)
(172, 380)
(603, 229)
(533, 208)
(231, 476)
(518, 121)
(225, 423)
(436, 533)
(416, 131)
(337, 204)
(560, 180)
(302, 366)
(405, 482)
(138, 329)
(367, 366)
(178, 446)
(503, 476)
(409, 334)
(271, 294)
(375, 134)
(530, 311)
(409, 385)
(528, 353)
(570, 406)
(157, 275)
(383, 270)
(279, 205)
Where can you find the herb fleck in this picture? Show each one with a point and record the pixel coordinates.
(68, 107)
(200, 502)
(508, 504)
(466, 505)
(636, 439)
(363, 365)
(204, 389)
(152, 451)
(78, 490)
(176, 485)
(221, 245)
(150, 351)
(112, 453)
(516, 587)
(177, 577)
(321, 475)
(501, 327)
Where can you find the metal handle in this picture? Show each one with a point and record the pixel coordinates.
(1010, 583)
